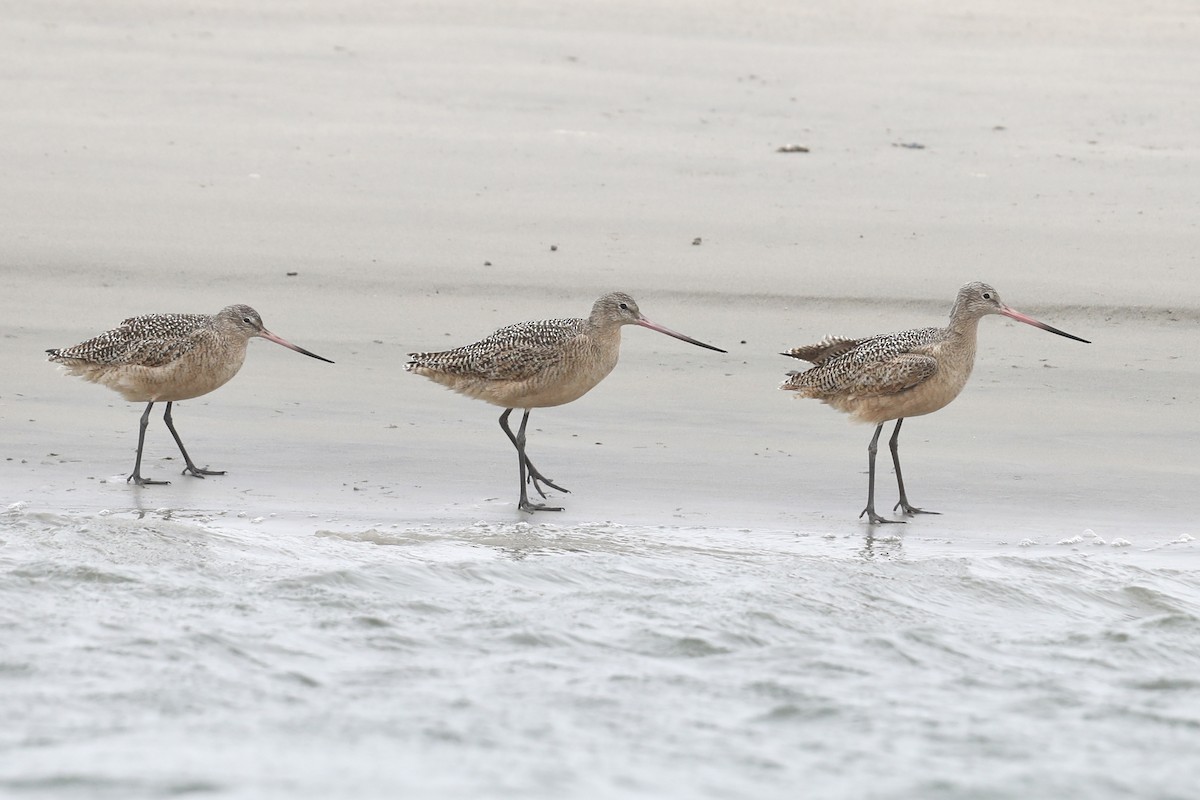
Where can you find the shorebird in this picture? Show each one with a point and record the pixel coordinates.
(537, 365)
(900, 375)
(169, 357)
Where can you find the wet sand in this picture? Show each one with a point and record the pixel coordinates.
(432, 173)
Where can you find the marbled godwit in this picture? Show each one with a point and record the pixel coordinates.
(169, 357)
(899, 375)
(536, 365)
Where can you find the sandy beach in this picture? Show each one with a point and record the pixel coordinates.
(388, 156)
(378, 179)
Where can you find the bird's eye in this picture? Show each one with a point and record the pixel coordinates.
(247, 320)
(987, 295)
(624, 306)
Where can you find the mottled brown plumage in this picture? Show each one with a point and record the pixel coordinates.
(530, 364)
(168, 357)
(899, 375)
(537, 365)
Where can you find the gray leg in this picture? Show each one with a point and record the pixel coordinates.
(895, 448)
(136, 477)
(530, 474)
(869, 511)
(190, 469)
(527, 472)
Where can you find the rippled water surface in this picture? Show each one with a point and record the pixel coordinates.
(166, 655)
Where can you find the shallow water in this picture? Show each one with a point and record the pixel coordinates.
(192, 653)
